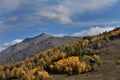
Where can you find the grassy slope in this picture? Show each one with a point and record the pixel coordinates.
(107, 71)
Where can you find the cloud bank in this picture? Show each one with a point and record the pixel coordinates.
(93, 31)
(89, 32)
(65, 9)
(60, 35)
(60, 11)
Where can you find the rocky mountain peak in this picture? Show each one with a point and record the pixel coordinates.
(44, 35)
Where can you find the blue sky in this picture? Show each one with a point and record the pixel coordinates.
(27, 18)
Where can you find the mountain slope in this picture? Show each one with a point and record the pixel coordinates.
(30, 46)
(109, 70)
(78, 57)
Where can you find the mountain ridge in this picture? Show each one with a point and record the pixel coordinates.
(29, 46)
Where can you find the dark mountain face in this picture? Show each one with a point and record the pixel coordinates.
(30, 46)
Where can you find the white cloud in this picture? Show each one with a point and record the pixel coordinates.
(60, 35)
(12, 19)
(56, 13)
(87, 5)
(1, 24)
(60, 11)
(105, 22)
(8, 44)
(10, 4)
(89, 32)
(93, 31)
(65, 9)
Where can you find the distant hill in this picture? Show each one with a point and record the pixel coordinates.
(30, 46)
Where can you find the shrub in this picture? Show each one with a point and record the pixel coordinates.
(95, 67)
(2, 75)
(41, 75)
(69, 65)
(17, 73)
(97, 59)
(7, 72)
(26, 77)
(92, 62)
(107, 39)
(118, 62)
(1, 67)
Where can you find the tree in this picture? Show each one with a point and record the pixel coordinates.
(2, 75)
(107, 39)
(26, 78)
(7, 72)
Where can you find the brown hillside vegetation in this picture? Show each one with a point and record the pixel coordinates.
(83, 56)
(109, 70)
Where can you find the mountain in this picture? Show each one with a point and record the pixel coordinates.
(30, 46)
(92, 58)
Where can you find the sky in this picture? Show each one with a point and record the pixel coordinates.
(20, 19)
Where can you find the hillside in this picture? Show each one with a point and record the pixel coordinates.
(109, 70)
(93, 58)
(30, 46)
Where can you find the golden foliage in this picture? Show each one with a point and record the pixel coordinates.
(42, 75)
(97, 59)
(2, 75)
(70, 64)
(17, 73)
(26, 77)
